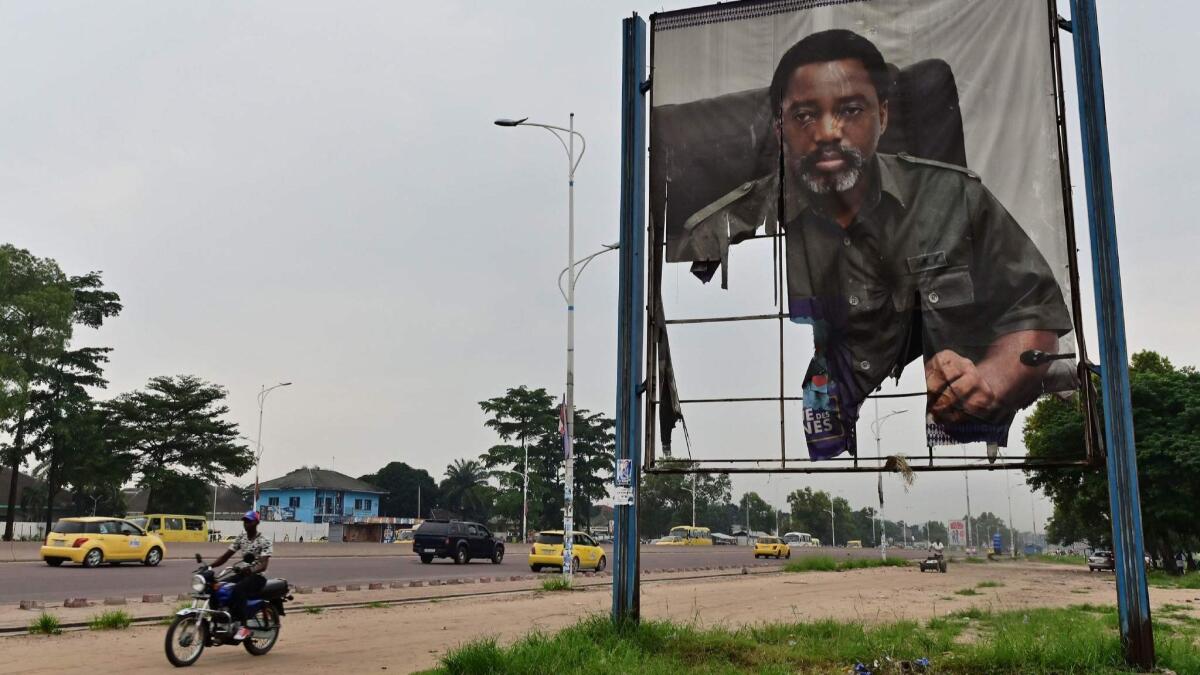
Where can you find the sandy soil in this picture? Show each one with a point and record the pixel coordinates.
(412, 637)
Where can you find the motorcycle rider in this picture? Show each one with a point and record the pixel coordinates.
(936, 548)
(251, 581)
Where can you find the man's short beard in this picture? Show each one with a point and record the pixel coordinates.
(822, 183)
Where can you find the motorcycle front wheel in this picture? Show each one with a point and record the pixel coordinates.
(265, 622)
(185, 640)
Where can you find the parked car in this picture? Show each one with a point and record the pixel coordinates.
(458, 540)
(92, 541)
(1101, 561)
(547, 551)
(772, 547)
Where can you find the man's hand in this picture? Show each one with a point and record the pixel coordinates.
(957, 390)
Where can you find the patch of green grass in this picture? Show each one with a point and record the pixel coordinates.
(1058, 559)
(556, 583)
(825, 563)
(1161, 579)
(967, 591)
(375, 604)
(45, 624)
(313, 610)
(989, 584)
(116, 619)
(974, 560)
(1037, 642)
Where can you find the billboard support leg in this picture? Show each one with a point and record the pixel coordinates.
(1133, 606)
(630, 313)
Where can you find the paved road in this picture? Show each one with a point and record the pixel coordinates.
(37, 581)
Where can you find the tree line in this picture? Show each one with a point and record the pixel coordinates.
(1166, 426)
(526, 422)
(170, 438)
(488, 488)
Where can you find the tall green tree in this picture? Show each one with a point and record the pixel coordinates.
(35, 323)
(761, 514)
(410, 492)
(64, 402)
(465, 491)
(175, 429)
(67, 423)
(1166, 422)
(527, 422)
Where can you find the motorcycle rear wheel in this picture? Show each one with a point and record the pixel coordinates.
(186, 634)
(265, 619)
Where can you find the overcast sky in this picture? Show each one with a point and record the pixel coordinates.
(314, 192)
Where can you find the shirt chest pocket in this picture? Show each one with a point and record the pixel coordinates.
(945, 289)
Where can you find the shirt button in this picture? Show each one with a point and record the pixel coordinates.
(846, 241)
(933, 297)
(864, 364)
(854, 301)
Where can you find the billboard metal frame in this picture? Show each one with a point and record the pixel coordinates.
(1113, 373)
(924, 459)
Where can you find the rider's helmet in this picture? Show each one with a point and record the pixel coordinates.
(250, 516)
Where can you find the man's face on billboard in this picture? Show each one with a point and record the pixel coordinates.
(831, 123)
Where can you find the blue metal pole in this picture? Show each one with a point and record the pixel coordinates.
(630, 305)
(1133, 602)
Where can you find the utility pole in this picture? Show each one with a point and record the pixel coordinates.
(626, 590)
(1133, 599)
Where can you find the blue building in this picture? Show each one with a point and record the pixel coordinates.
(314, 495)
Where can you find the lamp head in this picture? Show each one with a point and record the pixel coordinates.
(503, 122)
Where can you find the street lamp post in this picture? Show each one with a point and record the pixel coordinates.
(569, 404)
(262, 399)
(832, 528)
(876, 427)
(1012, 527)
(693, 491)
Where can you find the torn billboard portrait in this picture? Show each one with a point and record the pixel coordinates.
(908, 152)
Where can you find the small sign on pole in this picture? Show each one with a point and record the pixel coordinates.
(624, 472)
(623, 496)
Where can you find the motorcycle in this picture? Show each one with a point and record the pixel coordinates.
(209, 623)
(935, 561)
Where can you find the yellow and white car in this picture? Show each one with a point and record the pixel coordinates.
(686, 535)
(547, 551)
(92, 541)
(771, 547)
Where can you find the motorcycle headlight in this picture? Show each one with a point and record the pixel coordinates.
(198, 583)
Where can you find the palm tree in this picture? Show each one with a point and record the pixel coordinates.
(465, 489)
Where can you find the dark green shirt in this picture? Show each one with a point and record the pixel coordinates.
(930, 237)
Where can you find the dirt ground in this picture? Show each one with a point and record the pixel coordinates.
(412, 637)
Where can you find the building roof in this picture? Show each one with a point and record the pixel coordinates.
(319, 479)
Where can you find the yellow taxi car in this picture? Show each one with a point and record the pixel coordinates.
(547, 551)
(92, 541)
(768, 547)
